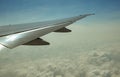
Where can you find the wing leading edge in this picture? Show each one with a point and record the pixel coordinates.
(26, 33)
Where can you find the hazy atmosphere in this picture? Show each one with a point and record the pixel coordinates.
(92, 49)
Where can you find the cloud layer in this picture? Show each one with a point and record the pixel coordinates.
(88, 51)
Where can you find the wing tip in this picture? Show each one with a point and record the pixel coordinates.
(89, 14)
(92, 14)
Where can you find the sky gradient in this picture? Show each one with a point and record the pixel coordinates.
(23, 11)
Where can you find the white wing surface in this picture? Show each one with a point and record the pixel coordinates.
(28, 33)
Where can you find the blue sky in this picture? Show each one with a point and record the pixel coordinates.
(21, 11)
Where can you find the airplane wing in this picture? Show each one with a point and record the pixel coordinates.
(29, 33)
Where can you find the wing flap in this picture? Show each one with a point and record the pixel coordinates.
(63, 30)
(37, 41)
